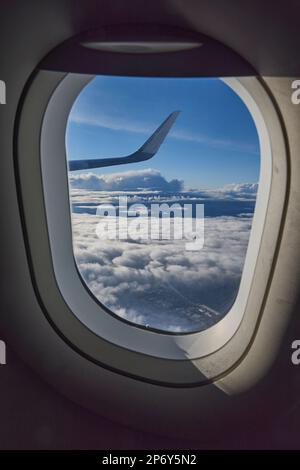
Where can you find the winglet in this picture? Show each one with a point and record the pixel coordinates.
(152, 145)
(145, 152)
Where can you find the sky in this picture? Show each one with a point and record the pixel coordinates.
(213, 142)
(212, 148)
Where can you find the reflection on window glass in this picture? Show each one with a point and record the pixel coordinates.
(140, 241)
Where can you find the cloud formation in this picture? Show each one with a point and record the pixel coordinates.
(158, 282)
(148, 179)
(152, 180)
(239, 191)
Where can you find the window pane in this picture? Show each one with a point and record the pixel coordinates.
(140, 242)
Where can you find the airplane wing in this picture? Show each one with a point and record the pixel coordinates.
(145, 152)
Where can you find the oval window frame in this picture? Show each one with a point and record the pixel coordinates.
(178, 351)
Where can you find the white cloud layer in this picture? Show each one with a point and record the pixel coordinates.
(159, 283)
(151, 179)
(240, 191)
(125, 181)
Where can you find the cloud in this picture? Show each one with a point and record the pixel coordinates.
(234, 191)
(152, 180)
(113, 123)
(119, 123)
(126, 181)
(158, 282)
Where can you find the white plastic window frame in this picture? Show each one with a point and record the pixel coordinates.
(57, 206)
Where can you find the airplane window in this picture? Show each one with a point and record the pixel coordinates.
(163, 176)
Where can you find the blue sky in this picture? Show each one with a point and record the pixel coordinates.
(212, 143)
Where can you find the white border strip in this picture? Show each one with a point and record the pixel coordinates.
(55, 185)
